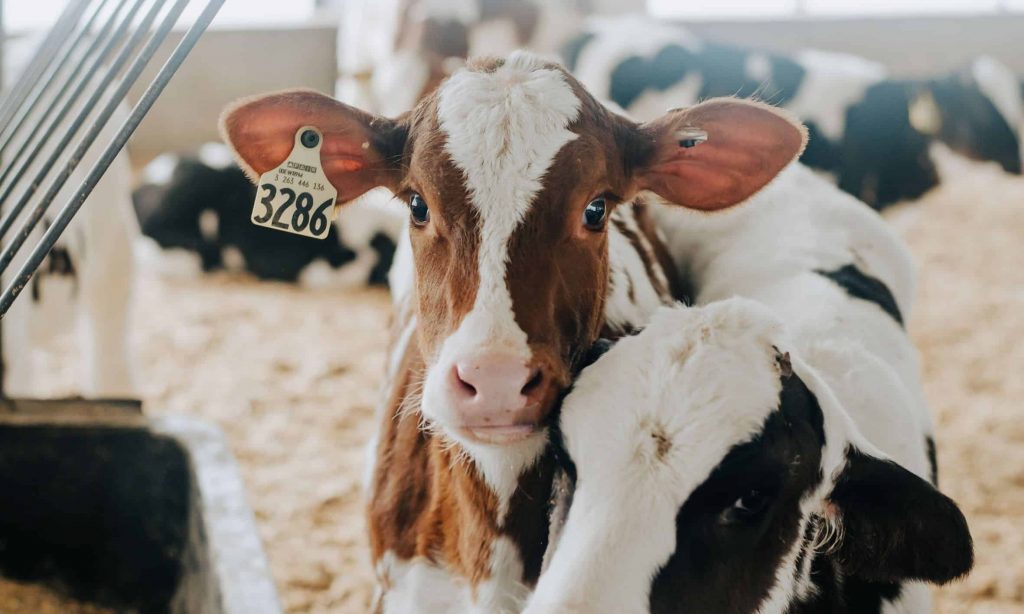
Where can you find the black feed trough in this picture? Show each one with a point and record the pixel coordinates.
(127, 512)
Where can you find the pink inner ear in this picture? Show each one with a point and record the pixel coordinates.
(262, 132)
(748, 144)
(338, 155)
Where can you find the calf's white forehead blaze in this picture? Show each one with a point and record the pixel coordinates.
(504, 129)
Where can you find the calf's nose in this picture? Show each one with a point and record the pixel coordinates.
(497, 398)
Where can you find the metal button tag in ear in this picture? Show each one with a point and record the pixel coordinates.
(691, 137)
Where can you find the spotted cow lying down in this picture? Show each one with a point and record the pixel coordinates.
(716, 470)
(194, 214)
(875, 134)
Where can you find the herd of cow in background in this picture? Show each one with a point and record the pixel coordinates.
(871, 134)
(643, 486)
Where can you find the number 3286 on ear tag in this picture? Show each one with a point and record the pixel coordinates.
(296, 196)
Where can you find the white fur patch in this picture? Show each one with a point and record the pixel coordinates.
(160, 170)
(232, 258)
(504, 591)
(997, 82)
(418, 586)
(501, 467)
(738, 253)
(758, 67)
(217, 156)
(503, 130)
(209, 224)
(173, 263)
(421, 586)
(398, 82)
(832, 83)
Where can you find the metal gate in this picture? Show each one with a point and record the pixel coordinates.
(67, 93)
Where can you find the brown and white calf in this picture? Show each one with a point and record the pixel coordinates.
(512, 172)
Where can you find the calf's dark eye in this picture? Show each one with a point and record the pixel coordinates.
(595, 214)
(746, 508)
(418, 210)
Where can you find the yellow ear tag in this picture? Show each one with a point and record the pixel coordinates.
(924, 114)
(296, 196)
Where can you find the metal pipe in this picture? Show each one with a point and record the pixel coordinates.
(34, 141)
(45, 81)
(117, 143)
(125, 54)
(41, 59)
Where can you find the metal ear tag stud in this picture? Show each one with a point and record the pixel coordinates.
(296, 196)
(691, 137)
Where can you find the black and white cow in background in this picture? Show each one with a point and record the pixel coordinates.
(751, 438)
(873, 133)
(391, 53)
(194, 213)
(85, 283)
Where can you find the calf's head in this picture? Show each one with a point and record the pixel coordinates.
(510, 171)
(713, 473)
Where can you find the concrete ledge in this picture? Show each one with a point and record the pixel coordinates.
(129, 512)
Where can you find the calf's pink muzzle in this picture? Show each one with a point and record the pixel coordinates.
(497, 398)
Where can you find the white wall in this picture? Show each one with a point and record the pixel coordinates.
(908, 45)
(227, 64)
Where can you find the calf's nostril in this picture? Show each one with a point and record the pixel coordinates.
(462, 384)
(536, 378)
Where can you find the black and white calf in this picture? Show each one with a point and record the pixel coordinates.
(874, 134)
(194, 215)
(86, 283)
(716, 470)
(721, 423)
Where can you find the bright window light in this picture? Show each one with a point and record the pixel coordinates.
(731, 9)
(762, 9)
(897, 7)
(26, 15)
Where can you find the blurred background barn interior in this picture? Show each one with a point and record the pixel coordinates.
(297, 401)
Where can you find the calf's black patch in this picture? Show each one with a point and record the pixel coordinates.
(729, 566)
(859, 284)
(933, 464)
(635, 74)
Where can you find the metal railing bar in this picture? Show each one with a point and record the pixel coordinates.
(78, 78)
(123, 56)
(44, 83)
(43, 55)
(114, 147)
(122, 90)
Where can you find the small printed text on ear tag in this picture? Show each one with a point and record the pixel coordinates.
(296, 196)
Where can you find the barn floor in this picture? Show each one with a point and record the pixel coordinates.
(292, 378)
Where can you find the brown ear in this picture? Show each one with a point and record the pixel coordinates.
(360, 151)
(747, 144)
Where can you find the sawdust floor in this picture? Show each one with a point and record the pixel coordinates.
(292, 377)
(26, 598)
